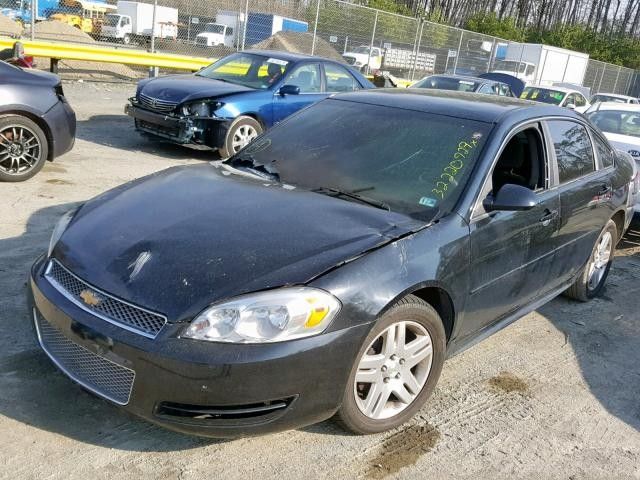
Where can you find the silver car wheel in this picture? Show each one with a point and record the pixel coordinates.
(20, 149)
(243, 136)
(393, 370)
(601, 257)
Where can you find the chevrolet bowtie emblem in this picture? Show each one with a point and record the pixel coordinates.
(90, 298)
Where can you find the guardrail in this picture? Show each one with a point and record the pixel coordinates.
(90, 53)
(75, 51)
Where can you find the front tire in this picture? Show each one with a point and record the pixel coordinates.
(242, 131)
(592, 277)
(126, 40)
(23, 148)
(396, 369)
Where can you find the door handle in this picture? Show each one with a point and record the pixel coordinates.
(604, 190)
(548, 216)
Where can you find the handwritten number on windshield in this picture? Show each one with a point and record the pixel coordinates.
(448, 175)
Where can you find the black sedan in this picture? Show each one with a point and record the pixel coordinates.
(36, 122)
(463, 83)
(333, 264)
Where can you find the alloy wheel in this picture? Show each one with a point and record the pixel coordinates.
(601, 257)
(243, 136)
(393, 370)
(20, 149)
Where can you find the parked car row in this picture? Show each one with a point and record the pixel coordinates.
(256, 311)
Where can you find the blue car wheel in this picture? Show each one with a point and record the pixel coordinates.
(241, 132)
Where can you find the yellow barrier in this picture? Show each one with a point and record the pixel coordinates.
(92, 53)
(76, 51)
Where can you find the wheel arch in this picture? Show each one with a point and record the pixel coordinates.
(38, 121)
(257, 117)
(438, 297)
(619, 219)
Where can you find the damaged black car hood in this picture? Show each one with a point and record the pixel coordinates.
(182, 239)
(183, 88)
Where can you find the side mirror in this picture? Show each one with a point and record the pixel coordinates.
(571, 106)
(511, 198)
(289, 90)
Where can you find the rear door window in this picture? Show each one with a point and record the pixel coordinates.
(573, 148)
(339, 79)
(605, 155)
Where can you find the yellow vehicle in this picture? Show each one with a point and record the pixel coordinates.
(84, 15)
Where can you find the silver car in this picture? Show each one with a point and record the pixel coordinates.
(620, 123)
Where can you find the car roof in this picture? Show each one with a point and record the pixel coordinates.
(468, 105)
(625, 107)
(458, 77)
(289, 56)
(615, 95)
(469, 78)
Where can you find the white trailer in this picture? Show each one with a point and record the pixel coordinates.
(543, 65)
(134, 21)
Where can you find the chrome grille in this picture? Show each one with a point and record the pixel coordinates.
(103, 377)
(202, 41)
(156, 104)
(103, 305)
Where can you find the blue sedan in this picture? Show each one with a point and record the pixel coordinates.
(232, 101)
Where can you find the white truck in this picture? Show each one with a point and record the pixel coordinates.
(539, 64)
(133, 22)
(363, 60)
(225, 31)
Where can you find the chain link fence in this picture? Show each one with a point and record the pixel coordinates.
(368, 39)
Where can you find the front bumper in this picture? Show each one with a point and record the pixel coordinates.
(61, 120)
(209, 389)
(208, 131)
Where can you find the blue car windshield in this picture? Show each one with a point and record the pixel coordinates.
(247, 69)
(408, 161)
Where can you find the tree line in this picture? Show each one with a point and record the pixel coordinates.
(608, 30)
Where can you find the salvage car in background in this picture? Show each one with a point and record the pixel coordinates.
(36, 122)
(229, 103)
(613, 98)
(620, 122)
(333, 264)
(462, 83)
(561, 96)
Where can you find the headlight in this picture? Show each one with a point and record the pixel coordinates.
(273, 316)
(200, 109)
(59, 229)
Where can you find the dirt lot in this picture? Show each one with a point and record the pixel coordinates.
(556, 395)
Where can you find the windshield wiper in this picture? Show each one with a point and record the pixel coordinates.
(353, 195)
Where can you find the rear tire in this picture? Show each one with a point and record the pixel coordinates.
(591, 279)
(364, 409)
(242, 131)
(25, 147)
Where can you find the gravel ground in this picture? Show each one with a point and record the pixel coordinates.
(555, 395)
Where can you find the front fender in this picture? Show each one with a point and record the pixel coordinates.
(368, 285)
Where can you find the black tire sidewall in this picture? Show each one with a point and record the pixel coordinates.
(227, 150)
(6, 120)
(414, 310)
(591, 293)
